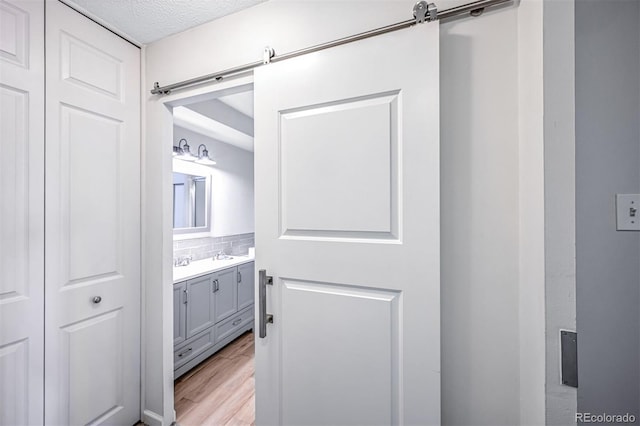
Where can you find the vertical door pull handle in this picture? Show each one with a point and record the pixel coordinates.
(264, 317)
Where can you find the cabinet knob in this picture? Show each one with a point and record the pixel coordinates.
(97, 299)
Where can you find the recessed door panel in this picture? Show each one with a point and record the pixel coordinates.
(15, 34)
(90, 67)
(91, 181)
(339, 168)
(364, 337)
(14, 185)
(92, 351)
(14, 386)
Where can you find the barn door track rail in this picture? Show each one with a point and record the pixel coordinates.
(422, 12)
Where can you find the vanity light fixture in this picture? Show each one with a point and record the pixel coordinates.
(183, 151)
(203, 158)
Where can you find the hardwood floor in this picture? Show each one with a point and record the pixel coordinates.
(219, 391)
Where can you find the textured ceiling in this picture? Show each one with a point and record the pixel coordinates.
(145, 21)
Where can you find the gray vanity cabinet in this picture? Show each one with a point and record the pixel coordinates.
(246, 285)
(209, 312)
(200, 304)
(179, 313)
(226, 294)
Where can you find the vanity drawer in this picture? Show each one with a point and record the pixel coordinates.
(194, 347)
(234, 323)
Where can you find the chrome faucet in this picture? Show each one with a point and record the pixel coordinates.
(182, 260)
(220, 255)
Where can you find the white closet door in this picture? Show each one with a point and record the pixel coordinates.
(347, 200)
(92, 262)
(21, 212)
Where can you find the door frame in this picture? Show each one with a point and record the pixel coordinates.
(157, 293)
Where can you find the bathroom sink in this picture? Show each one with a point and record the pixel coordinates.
(223, 257)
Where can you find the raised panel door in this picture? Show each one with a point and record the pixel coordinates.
(226, 293)
(92, 327)
(200, 305)
(246, 285)
(347, 195)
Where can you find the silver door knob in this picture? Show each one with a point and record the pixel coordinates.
(97, 299)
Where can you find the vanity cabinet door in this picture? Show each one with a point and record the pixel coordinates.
(179, 313)
(200, 305)
(226, 293)
(246, 285)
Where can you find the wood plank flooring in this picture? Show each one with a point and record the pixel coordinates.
(219, 391)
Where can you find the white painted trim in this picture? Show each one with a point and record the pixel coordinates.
(531, 213)
(241, 83)
(194, 169)
(180, 237)
(561, 401)
(143, 229)
(152, 419)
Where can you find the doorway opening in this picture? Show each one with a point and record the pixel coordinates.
(213, 255)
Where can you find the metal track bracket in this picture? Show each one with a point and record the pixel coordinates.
(425, 12)
(160, 90)
(267, 55)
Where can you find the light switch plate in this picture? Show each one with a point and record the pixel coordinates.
(628, 212)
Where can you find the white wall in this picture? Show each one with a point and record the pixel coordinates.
(231, 184)
(480, 183)
(531, 215)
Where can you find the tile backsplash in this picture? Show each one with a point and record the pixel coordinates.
(203, 248)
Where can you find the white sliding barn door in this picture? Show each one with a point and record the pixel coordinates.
(347, 223)
(21, 212)
(92, 262)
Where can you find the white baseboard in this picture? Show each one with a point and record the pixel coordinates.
(152, 419)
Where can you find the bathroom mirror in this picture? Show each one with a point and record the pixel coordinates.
(191, 198)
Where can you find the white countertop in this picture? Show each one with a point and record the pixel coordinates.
(207, 266)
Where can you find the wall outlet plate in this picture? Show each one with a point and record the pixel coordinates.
(628, 212)
(569, 357)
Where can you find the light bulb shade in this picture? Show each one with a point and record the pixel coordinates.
(184, 153)
(203, 158)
